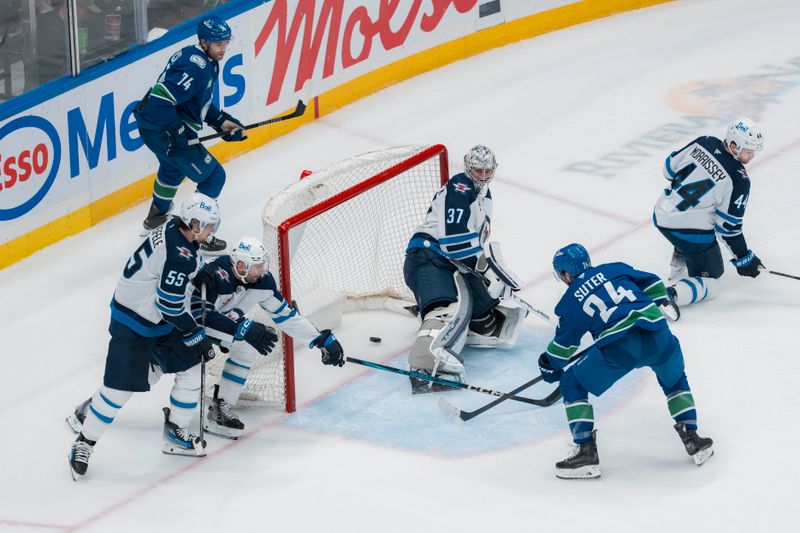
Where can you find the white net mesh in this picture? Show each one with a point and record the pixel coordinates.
(351, 251)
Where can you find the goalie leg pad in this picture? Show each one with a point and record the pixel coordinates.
(444, 362)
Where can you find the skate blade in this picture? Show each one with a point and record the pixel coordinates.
(221, 431)
(584, 472)
(702, 456)
(174, 449)
(74, 424)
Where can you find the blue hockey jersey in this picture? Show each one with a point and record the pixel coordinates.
(605, 301)
(708, 190)
(458, 221)
(184, 92)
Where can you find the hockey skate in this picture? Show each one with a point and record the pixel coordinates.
(221, 420)
(699, 448)
(75, 420)
(582, 463)
(154, 219)
(181, 441)
(79, 456)
(669, 308)
(212, 245)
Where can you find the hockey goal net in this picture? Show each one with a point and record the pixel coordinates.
(336, 242)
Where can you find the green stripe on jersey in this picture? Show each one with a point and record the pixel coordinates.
(561, 352)
(651, 313)
(656, 291)
(680, 403)
(160, 91)
(580, 412)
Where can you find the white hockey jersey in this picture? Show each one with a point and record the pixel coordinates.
(458, 221)
(152, 295)
(708, 191)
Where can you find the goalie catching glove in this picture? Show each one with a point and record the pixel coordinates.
(332, 352)
(257, 335)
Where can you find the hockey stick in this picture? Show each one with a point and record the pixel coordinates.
(548, 400)
(449, 383)
(202, 363)
(464, 269)
(782, 274)
(298, 112)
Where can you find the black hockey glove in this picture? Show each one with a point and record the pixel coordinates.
(749, 265)
(257, 335)
(177, 139)
(198, 343)
(234, 130)
(205, 276)
(549, 374)
(332, 352)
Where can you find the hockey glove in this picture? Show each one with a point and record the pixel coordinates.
(177, 139)
(257, 335)
(332, 353)
(749, 265)
(234, 130)
(549, 374)
(198, 343)
(205, 276)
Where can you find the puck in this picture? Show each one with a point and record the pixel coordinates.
(374, 339)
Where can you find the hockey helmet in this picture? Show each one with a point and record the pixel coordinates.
(746, 134)
(200, 212)
(572, 259)
(251, 252)
(213, 30)
(480, 158)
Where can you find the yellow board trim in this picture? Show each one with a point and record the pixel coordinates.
(328, 102)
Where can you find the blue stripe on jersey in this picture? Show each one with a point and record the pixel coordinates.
(669, 168)
(730, 218)
(168, 311)
(182, 405)
(281, 308)
(170, 297)
(459, 238)
(722, 231)
(231, 377)
(138, 327)
(466, 253)
(697, 238)
(170, 305)
(282, 319)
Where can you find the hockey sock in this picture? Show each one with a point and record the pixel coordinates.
(184, 396)
(694, 289)
(681, 403)
(234, 375)
(163, 195)
(105, 405)
(580, 413)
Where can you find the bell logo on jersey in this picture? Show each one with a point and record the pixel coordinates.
(184, 252)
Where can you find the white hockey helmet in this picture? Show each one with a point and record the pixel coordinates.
(746, 134)
(200, 212)
(251, 252)
(480, 158)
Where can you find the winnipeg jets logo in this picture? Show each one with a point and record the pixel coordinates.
(461, 187)
(743, 172)
(223, 274)
(184, 252)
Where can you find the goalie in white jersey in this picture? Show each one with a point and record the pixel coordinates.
(236, 283)
(152, 333)
(455, 232)
(706, 198)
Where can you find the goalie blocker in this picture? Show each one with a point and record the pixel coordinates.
(457, 320)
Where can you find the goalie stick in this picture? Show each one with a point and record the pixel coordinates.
(455, 384)
(298, 111)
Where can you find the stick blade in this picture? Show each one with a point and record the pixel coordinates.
(449, 408)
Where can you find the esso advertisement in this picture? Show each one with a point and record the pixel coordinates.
(30, 152)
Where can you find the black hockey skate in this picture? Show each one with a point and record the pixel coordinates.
(221, 420)
(154, 219)
(79, 455)
(75, 420)
(212, 245)
(181, 441)
(582, 463)
(699, 448)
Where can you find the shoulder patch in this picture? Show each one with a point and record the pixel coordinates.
(461, 187)
(184, 252)
(199, 61)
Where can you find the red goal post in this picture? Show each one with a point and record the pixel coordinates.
(336, 241)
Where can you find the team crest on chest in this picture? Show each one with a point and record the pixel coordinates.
(184, 252)
(223, 274)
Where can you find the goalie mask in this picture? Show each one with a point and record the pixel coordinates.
(746, 134)
(480, 164)
(253, 255)
(572, 259)
(200, 212)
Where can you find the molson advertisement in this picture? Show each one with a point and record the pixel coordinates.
(68, 162)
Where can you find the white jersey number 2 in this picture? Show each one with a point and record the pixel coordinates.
(617, 295)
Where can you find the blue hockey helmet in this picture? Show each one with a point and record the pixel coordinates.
(213, 30)
(572, 259)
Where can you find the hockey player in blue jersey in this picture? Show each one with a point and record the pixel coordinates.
(706, 198)
(173, 112)
(149, 315)
(456, 228)
(619, 307)
(237, 283)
